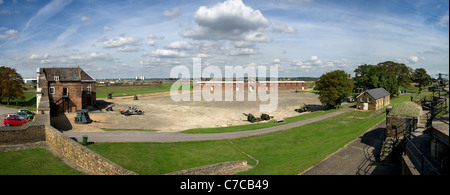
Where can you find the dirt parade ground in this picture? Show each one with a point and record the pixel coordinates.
(163, 114)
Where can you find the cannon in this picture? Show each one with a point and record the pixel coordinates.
(304, 108)
(109, 96)
(251, 118)
(110, 108)
(83, 117)
(131, 110)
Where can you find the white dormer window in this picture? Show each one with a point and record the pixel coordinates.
(56, 78)
(88, 89)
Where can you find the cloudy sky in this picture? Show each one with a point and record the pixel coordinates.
(304, 38)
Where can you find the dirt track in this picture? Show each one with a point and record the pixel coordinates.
(163, 114)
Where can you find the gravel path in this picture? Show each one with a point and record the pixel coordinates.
(146, 136)
(6, 110)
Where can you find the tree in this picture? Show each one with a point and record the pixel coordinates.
(11, 84)
(333, 87)
(421, 77)
(401, 72)
(387, 74)
(366, 76)
(387, 80)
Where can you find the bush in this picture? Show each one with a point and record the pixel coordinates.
(406, 109)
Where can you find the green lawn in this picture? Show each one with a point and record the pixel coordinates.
(29, 101)
(161, 158)
(102, 92)
(37, 161)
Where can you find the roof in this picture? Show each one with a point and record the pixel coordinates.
(376, 93)
(67, 74)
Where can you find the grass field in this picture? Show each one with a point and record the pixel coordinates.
(37, 161)
(29, 101)
(102, 92)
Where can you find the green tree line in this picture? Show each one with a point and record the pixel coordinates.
(333, 87)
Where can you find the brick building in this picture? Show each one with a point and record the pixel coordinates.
(250, 85)
(373, 99)
(68, 89)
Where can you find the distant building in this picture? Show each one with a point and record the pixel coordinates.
(30, 80)
(373, 99)
(251, 85)
(68, 89)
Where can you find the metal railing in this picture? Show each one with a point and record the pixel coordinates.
(424, 165)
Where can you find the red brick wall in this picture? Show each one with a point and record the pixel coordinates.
(281, 86)
(73, 102)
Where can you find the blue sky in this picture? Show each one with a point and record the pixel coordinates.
(304, 38)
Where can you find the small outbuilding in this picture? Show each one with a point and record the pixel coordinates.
(373, 99)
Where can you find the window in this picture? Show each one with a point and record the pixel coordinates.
(369, 100)
(361, 100)
(51, 90)
(65, 92)
(88, 89)
(56, 78)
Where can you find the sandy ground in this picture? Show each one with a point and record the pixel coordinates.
(163, 114)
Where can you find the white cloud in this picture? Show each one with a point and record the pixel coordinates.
(242, 44)
(9, 34)
(45, 13)
(412, 59)
(86, 20)
(108, 28)
(443, 22)
(99, 56)
(122, 44)
(167, 53)
(230, 20)
(121, 41)
(179, 45)
(280, 28)
(171, 14)
(39, 57)
(151, 42)
(127, 48)
(242, 51)
(409, 60)
(154, 37)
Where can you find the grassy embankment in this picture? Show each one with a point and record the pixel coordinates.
(37, 161)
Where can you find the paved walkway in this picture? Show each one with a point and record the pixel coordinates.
(147, 136)
(359, 157)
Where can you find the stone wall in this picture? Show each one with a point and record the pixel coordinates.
(398, 122)
(225, 168)
(15, 135)
(81, 156)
